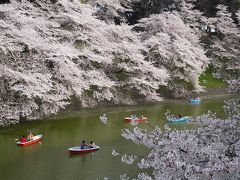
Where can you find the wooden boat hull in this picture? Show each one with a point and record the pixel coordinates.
(78, 150)
(35, 140)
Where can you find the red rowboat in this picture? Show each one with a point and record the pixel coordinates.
(78, 150)
(137, 119)
(35, 140)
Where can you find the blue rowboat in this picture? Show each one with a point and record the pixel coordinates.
(183, 119)
(195, 101)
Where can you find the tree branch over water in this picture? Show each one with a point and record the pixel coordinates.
(210, 151)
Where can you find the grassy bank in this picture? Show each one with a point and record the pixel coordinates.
(207, 80)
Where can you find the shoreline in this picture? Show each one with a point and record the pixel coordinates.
(202, 95)
(215, 91)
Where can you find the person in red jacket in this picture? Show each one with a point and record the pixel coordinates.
(23, 139)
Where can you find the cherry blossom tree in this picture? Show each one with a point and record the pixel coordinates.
(220, 37)
(56, 53)
(209, 152)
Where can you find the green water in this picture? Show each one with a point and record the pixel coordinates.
(50, 160)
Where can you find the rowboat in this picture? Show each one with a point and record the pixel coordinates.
(195, 101)
(78, 150)
(183, 119)
(35, 140)
(136, 119)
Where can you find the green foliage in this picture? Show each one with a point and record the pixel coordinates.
(122, 75)
(231, 73)
(144, 8)
(22, 118)
(121, 60)
(67, 26)
(117, 73)
(26, 49)
(50, 64)
(8, 94)
(54, 1)
(164, 91)
(209, 7)
(89, 92)
(228, 73)
(185, 84)
(75, 102)
(207, 80)
(96, 64)
(131, 93)
(173, 85)
(39, 102)
(17, 95)
(207, 41)
(79, 44)
(84, 1)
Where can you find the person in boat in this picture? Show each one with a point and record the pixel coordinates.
(134, 116)
(173, 116)
(23, 139)
(179, 116)
(92, 145)
(30, 136)
(83, 145)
